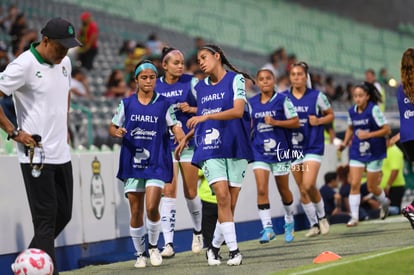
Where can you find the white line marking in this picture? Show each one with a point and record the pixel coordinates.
(341, 262)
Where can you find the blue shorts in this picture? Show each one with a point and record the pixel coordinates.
(225, 169)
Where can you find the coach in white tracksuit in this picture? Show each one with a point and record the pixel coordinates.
(39, 80)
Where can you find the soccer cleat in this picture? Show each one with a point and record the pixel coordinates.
(313, 231)
(408, 212)
(267, 235)
(168, 251)
(141, 261)
(324, 226)
(352, 222)
(212, 255)
(289, 232)
(235, 258)
(384, 209)
(197, 245)
(155, 256)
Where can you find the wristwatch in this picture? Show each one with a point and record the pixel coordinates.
(13, 134)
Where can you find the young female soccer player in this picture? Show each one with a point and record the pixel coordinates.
(272, 115)
(314, 111)
(221, 135)
(367, 129)
(405, 98)
(142, 121)
(178, 88)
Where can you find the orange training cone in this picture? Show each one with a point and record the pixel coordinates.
(326, 256)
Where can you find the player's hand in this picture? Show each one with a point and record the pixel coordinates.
(313, 120)
(269, 120)
(120, 132)
(192, 122)
(362, 134)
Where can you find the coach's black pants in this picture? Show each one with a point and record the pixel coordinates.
(50, 199)
(208, 222)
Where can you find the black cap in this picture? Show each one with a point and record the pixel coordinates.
(61, 31)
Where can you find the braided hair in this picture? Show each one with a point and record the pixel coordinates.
(407, 73)
(216, 49)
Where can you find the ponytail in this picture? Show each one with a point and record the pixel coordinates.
(372, 91)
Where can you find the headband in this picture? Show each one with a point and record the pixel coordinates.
(173, 51)
(145, 66)
(208, 48)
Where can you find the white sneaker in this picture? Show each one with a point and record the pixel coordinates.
(384, 209)
(324, 226)
(197, 245)
(313, 231)
(352, 222)
(168, 251)
(141, 261)
(213, 257)
(235, 258)
(155, 256)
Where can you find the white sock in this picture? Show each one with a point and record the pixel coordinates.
(218, 237)
(320, 209)
(382, 198)
(310, 213)
(195, 206)
(229, 233)
(265, 217)
(168, 211)
(153, 229)
(288, 213)
(138, 238)
(354, 201)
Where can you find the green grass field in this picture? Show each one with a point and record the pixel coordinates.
(373, 247)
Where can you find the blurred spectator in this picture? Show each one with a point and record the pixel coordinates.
(128, 46)
(21, 35)
(79, 86)
(88, 36)
(191, 65)
(329, 88)
(4, 56)
(132, 85)
(369, 207)
(273, 65)
(347, 96)
(370, 77)
(383, 77)
(316, 80)
(116, 85)
(282, 83)
(291, 59)
(6, 20)
(332, 200)
(198, 43)
(134, 56)
(6, 102)
(282, 58)
(154, 45)
(392, 180)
